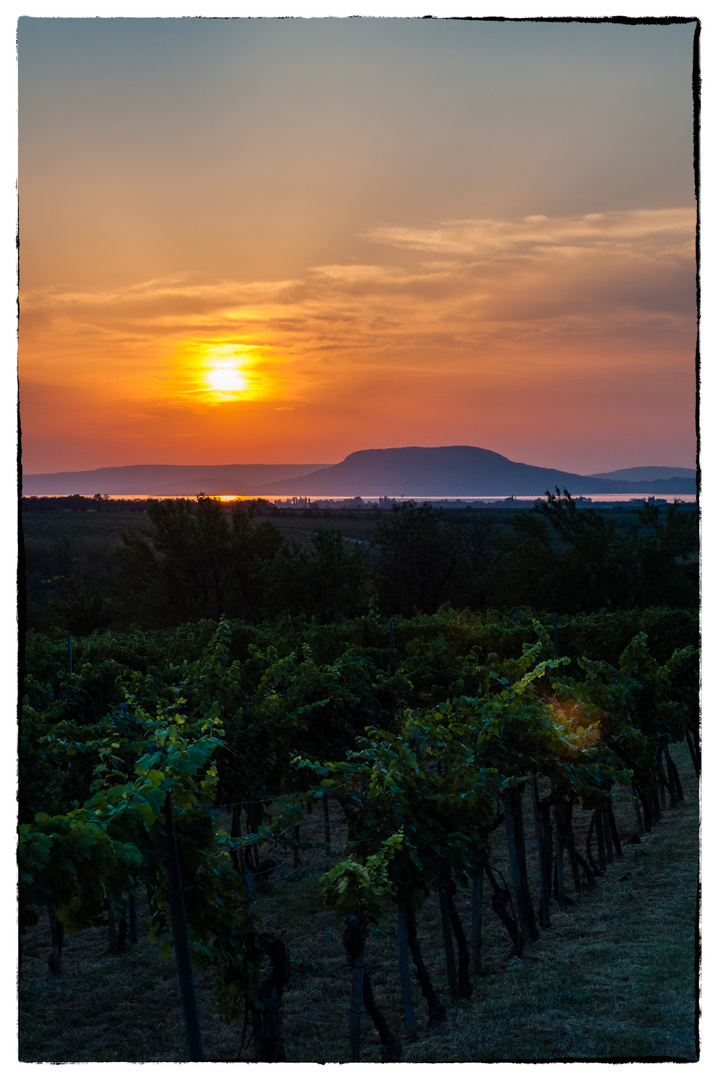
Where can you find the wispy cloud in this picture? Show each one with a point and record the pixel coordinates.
(512, 291)
(658, 228)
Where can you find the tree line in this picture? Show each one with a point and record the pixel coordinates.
(201, 559)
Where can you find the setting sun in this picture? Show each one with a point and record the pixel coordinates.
(210, 372)
(223, 369)
(226, 380)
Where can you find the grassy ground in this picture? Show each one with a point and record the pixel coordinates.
(612, 979)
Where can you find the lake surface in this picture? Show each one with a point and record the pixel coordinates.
(312, 500)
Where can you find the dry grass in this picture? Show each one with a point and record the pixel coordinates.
(612, 979)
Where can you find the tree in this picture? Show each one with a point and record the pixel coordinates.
(417, 559)
(197, 561)
(327, 579)
(664, 549)
(564, 558)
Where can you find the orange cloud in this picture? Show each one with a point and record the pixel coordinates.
(514, 306)
(657, 227)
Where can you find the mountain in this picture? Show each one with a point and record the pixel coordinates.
(411, 471)
(457, 471)
(163, 480)
(643, 473)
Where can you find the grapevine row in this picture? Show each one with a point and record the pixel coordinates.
(425, 774)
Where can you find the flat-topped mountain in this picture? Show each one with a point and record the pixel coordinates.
(410, 471)
(457, 471)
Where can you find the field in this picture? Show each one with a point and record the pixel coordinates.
(421, 685)
(612, 979)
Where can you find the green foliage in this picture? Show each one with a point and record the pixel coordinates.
(80, 858)
(663, 549)
(327, 578)
(353, 888)
(416, 744)
(72, 862)
(416, 560)
(566, 558)
(197, 561)
(186, 561)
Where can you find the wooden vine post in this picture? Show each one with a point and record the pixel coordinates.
(57, 934)
(451, 972)
(404, 970)
(436, 1010)
(518, 869)
(132, 916)
(477, 920)
(181, 940)
(607, 833)
(544, 845)
(464, 957)
(266, 1019)
(327, 823)
(354, 945)
(558, 869)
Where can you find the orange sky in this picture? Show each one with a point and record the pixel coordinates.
(286, 241)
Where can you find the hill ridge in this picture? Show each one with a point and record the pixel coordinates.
(457, 471)
(404, 471)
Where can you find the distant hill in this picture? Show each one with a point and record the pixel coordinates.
(163, 480)
(458, 471)
(410, 471)
(648, 472)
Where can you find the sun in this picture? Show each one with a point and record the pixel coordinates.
(223, 373)
(226, 379)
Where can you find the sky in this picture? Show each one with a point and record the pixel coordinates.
(283, 240)
(158, 182)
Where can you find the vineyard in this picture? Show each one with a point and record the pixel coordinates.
(352, 840)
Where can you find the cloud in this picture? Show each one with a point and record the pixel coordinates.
(525, 293)
(486, 237)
